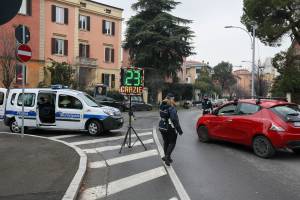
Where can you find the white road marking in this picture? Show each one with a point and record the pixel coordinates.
(177, 183)
(93, 193)
(123, 184)
(107, 139)
(174, 198)
(98, 164)
(123, 159)
(63, 136)
(110, 148)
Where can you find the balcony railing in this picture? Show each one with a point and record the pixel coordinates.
(87, 62)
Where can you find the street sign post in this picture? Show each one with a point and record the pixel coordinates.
(19, 33)
(23, 54)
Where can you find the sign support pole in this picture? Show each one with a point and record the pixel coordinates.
(23, 88)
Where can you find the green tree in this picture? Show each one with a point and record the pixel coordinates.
(157, 40)
(288, 66)
(274, 18)
(61, 73)
(205, 84)
(223, 76)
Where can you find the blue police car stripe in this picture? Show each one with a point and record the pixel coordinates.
(29, 115)
(100, 117)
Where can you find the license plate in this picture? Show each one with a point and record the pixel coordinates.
(297, 124)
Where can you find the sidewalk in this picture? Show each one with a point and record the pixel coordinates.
(35, 168)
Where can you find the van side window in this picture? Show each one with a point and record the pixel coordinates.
(1, 98)
(69, 102)
(29, 99)
(12, 101)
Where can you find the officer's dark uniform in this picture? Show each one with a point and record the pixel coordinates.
(206, 106)
(169, 127)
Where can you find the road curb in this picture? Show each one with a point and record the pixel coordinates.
(73, 189)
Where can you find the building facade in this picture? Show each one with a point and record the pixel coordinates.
(29, 15)
(243, 78)
(84, 33)
(192, 70)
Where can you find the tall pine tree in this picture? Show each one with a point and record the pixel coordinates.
(157, 40)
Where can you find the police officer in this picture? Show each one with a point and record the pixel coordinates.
(169, 126)
(206, 105)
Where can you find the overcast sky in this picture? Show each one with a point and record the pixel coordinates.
(213, 43)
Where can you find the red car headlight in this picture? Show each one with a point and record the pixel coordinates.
(276, 128)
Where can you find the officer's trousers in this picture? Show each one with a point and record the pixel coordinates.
(169, 138)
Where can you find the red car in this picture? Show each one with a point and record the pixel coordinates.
(264, 125)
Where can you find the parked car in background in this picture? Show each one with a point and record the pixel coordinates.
(265, 125)
(137, 104)
(107, 101)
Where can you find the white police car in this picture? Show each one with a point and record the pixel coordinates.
(57, 108)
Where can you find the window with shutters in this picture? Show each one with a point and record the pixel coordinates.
(25, 8)
(109, 55)
(60, 15)
(59, 47)
(113, 81)
(84, 22)
(108, 27)
(105, 79)
(84, 50)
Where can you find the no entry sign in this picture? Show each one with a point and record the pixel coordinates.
(24, 53)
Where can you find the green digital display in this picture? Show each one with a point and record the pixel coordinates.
(132, 81)
(133, 77)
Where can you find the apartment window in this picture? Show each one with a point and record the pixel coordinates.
(109, 54)
(108, 27)
(26, 7)
(84, 22)
(59, 47)
(105, 79)
(19, 74)
(113, 81)
(84, 50)
(60, 15)
(109, 80)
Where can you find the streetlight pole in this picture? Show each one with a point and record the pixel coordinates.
(252, 38)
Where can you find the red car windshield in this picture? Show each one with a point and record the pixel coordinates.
(287, 112)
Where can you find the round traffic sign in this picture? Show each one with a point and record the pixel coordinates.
(22, 34)
(9, 9)
(24, 53)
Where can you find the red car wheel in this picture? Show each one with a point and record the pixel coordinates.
(203, 134)
(262, 147)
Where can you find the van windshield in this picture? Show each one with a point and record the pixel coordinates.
(90, 101)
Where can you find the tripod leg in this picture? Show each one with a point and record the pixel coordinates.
(124, 142)
(139, 138)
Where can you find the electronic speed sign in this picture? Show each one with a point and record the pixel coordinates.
(132, 81)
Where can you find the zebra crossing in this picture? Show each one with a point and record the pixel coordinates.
(131, 175)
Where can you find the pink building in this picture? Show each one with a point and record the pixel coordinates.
(83, 33)
(86, 34)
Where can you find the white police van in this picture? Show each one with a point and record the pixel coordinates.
(57, 108)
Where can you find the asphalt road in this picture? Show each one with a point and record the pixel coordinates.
(216, 170)
(226, 171)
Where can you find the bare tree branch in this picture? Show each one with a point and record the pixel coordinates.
(7, 57)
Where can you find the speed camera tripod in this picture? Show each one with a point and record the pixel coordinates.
(129, 132)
